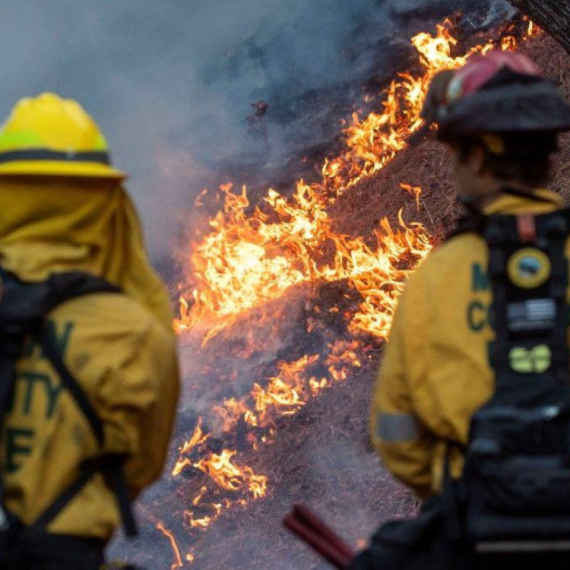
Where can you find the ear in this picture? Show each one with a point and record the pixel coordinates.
(477, 160)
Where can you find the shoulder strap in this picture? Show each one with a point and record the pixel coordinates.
(49, 514)
(471, 221)
(111, 466)
(72, 386)
(70, 285)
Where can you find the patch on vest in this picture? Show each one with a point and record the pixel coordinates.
(529, 268)
(532, 315)
(530, 361)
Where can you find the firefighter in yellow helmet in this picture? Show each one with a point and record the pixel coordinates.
(470, 409)
(88, 363)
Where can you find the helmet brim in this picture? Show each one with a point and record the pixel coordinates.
(532, 108)
(60, 168)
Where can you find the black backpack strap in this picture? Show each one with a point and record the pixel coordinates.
(467, 224)
(64, 498)
(528, 196)
(495, 236)
(451, 495)
(111, 466)
(67, 286)
(11, 346)
(115, 472)
(558, 233)
(53, 354)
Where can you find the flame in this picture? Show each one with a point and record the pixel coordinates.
(533, 30)
(378, 275)
(177, 559)
(197, 523)
(415, 190)
(231, 477)
(232, 410)
(343, 359)
(253, 255)
(374, 141)
(198, 497)
(197, 438)
(286, 393)
(226, 475)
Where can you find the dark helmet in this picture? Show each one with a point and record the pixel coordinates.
(497, 93)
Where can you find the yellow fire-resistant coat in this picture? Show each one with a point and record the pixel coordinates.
(435, 373)
(120, 348)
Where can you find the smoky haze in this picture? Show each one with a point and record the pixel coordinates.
(172, 82)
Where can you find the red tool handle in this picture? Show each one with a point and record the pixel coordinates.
(307, 526)
(311, 520)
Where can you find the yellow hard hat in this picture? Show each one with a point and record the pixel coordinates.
(48, 135)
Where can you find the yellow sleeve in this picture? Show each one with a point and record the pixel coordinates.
(138, 406)
(403, 442)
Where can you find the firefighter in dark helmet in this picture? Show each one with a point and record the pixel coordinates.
(88, 366)
(470, 409)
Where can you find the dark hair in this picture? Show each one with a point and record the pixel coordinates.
(527, 157)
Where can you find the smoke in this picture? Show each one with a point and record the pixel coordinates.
(500, 10)
(172, 82)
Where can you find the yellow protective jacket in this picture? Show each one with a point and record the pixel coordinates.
(120, 348)
(435, 372)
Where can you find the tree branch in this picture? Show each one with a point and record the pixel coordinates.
(553, 16)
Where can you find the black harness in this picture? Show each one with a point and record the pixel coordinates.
(514, 495)
(23, 310)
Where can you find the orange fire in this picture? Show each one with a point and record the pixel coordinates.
(232, 410)
(254, 255)
(286, 393)
(231, 477)
(197, 438)
(177, 560)
(225, 474)
(414, 190)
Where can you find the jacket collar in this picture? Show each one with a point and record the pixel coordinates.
(538, 202)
